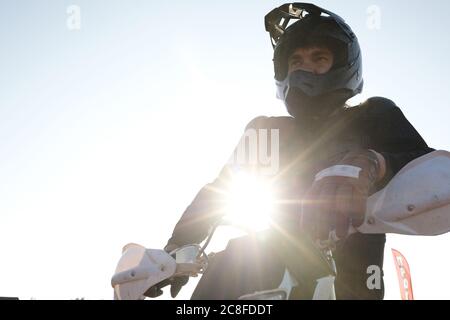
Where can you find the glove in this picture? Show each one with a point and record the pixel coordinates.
(338, 197)
(178, 282)
(156, 291)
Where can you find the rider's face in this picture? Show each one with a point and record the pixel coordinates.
(317, 60)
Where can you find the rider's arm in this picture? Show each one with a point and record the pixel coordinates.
(205, 211)
(199, 216)
(208, 206)
(394, 137)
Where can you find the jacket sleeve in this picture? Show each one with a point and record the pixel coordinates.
(394, 137)
(207, 208)
(196, 221)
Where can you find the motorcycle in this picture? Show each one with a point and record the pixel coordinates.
(415, 202)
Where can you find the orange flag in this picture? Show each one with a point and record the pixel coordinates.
(404, 275)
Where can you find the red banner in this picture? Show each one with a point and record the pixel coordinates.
(404, 275)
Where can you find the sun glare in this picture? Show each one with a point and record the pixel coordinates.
(250, 201)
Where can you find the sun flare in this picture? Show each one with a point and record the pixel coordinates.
(250, 201)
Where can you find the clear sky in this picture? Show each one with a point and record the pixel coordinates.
(107, 131)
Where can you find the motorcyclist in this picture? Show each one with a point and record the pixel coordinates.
(332, 156)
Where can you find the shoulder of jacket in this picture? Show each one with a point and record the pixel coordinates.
(264, 122)
(378, 106)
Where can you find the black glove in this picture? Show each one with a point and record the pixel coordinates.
(338, 196)
(178, 282)
(175, 286)
(156, 291)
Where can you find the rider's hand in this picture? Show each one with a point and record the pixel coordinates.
(178, 282)
(156, 291)
(338, 196)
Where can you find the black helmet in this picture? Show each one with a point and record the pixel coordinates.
(304, 92)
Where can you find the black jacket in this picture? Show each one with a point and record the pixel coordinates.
(306, 147)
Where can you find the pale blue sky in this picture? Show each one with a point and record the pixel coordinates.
(106, 133)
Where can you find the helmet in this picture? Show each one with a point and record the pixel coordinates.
(305, 93)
